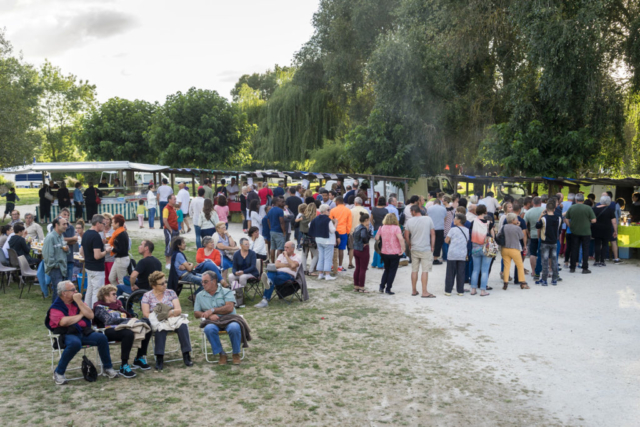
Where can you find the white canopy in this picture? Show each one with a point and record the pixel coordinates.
(85, 167)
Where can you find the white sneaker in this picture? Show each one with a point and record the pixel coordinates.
(168, 266)
(59, 379)
(262, 304)
(320, 276)
(329, 277)
(111, 373)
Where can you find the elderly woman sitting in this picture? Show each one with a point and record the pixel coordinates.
(227, 246)
(244, 264)
(159, 294)
(109, 313)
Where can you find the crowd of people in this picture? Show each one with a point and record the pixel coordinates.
(292, 231)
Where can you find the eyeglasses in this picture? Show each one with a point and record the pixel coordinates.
(113, 294)
(70, 290)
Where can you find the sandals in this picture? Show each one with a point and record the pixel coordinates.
(486, 294)
(428, 296)
(523, 285)
(505, 286)
(415, 294)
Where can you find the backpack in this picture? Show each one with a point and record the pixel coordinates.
(401, 220)
(89, 371)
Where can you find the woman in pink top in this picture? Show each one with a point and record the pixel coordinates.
(392, 244)
(222, 210)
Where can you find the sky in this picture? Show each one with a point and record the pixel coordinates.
(141, 49)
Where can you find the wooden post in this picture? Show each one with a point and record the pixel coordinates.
(467, 193)
(173, 180)
(406, 191)
(384, 184)
(193, 185)
(43, 177)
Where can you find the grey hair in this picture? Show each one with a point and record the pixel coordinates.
(27, 214)
(511, 217)
(62, 285)
(211, 274)
(96, 219)
(242, 240)
(605, 200)
(571, 196)
(206, 240)
(579, 197)
(358, 200)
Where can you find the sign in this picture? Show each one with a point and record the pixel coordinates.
(319, 176)
(305, 183)
(370, 193)
(333, 176)
(250, 181)
(280, 174)
(258, 175)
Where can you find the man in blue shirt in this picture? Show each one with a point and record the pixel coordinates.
(279, 190)
(392, 207)
(78, 201)
(276, 227)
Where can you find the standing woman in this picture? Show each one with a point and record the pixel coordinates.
(243, 208)
(106, 236)
(222, 210)
(480, 230)
(45, 202)
(392, 250)
(64, 200)
(603, 229)
(91, 196)
(512, 249)
(378, 213)
(323, 229)
(119, 242)
(309, 245)
(255, 219)
(208, 219)
(152, 206)
(361, 237)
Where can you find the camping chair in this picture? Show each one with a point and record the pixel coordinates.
(254, 285)
(206, 345)
(292, 289)
(178, 350)
(6, 273)
(54, 339)
(192, 288)
(26, 272)
(132, 303)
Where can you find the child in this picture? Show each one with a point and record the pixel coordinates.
(457, 239)
(222, 210)
(11, 201)
(142, 210)
(180, 219)
(301, 208)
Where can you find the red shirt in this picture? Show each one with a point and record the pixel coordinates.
(170, 213)
(263, 193)
(315, 195)
(55, 316)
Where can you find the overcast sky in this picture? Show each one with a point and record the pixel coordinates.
(148, 49)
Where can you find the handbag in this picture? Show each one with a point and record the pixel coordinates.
(98, 201)
(48, 196)
(377, 246)
(89, 371)
(490, 249)
(501, 240)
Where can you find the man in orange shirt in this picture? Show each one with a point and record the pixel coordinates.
(343, 215)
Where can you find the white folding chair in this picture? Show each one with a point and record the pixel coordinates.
(206, 344)
(55, 338)
(177, 350)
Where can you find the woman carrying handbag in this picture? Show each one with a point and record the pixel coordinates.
(482, 249)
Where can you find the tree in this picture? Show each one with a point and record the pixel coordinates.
(199, 129)
(116, 131)
(19, 92)
(63, 102)
(265, 84)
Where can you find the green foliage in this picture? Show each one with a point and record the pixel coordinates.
(200, 129)
(264, 84)
(19, 92)
(116, 131)
(332, 157)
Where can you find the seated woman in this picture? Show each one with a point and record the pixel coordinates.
(244, 264)
(18, 243)
(257, 243)
(108, 313)
(209, 259)
(227, 246)
(159, 294)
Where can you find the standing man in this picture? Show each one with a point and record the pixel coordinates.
(183, 199)
(54, 255)
(70, 239)
(353, 191)
(564, 240)
(330, 200)
(420, 235)
(279, 190)
(286, 269)
(170, 225)
(164, 191)
(263, 193)
(94, 250)
(11, 201)
(392, 207)
(356, 210)
(492, 205)
(343, 215)
(222, 189)
(614, 237)
(579, 218)
(232, 189)
(437, 213)
(293, 201)
(208, 192)
(34, 230)
(531, 217)
(195, 209)
(139, 278)
(277, 227)
(78, 200)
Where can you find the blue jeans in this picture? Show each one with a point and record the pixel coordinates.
(69, 270)
(162, 206)
(278, 278)
(152, 217)
(73, 344)
(325, 257)
(481, 264)
(445, 250)
(56, 277)
(538, 260)
(377, 260)
(207, 265)
(43, 279)
(123, 289)
(548, 255)
(198, 238)
(233, 330)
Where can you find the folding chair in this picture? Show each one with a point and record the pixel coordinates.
(192, 289)
(55, 338)
(206, 344)
(26, 273)
(132, 303)
(5, 273)
(254, 285)
(177, 350)
(289, 291)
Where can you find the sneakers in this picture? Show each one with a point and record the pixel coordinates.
(381, 290)
(266, 283)
(585, 271)
(329, 277)
(235, 358)
(460, 295)
(341, 269)
(111, 373)
(125, 371)
(141, 363)
(262, 304)
(543, 283)
(186, 357)
(554, 283)
(390, 293)
(59, 379)
(448, 295)
(617, 261)
(437, 262)
(320, 276)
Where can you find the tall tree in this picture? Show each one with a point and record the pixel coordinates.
(264, 83)
(63, 102)
(116, 131)
(19, 92)
(199, 129)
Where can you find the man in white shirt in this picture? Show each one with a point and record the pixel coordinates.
(5, 248)
(195, 209)
(164, 191)
(492, 205)
(34, 230)
(471, 213)
(287, 267)
(182, 202)
(232, 189)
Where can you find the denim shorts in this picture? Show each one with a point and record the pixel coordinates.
(533, 247)
(344, 238)
(277, 241)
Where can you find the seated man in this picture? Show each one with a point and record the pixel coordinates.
(18, 243)
(34, 230)
(71, 318)
(212, 304)
(287, 266)
(139, 278)
(15, 218)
